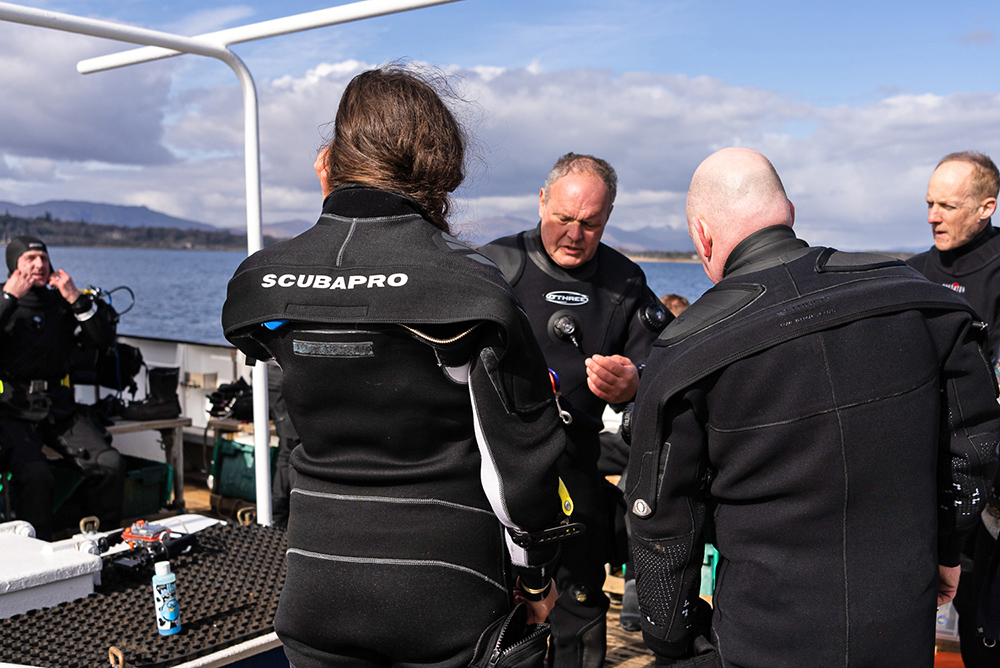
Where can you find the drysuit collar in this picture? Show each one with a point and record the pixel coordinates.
(356, 200)
(949, 256)
(762, 249)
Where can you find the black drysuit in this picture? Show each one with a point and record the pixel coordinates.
(835, 416)
(37, 407)
(425, 415)
(973, 271)
(613, 313)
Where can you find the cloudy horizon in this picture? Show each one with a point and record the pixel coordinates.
(854, 149)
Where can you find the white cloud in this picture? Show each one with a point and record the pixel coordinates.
(488, 73)
(51, 111)
(857, 174)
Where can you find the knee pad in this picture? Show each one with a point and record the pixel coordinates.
(594, 644)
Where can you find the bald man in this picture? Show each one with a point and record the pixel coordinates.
(830, 418)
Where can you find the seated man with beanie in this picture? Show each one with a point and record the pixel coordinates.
(42, 317)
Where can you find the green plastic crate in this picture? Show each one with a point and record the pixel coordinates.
(709, 562)
(149, 486)
(233, 469)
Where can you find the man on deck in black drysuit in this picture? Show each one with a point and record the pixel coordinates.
(595, 320)
(834, 415)
(42, 317)
(961, 198)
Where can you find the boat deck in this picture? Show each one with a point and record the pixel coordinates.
(625, 649)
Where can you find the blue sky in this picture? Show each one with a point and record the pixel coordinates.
(854, 103)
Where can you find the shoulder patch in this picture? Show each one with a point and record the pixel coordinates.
(508, 255)
(835, 260)
(715, 305)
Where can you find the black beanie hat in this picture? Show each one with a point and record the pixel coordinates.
(21, 245)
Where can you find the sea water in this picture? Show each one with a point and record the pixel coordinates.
(179, 294)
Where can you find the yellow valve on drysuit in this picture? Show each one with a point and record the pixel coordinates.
(65, 381)
(567, 500)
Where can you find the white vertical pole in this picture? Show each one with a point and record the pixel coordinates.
(255, 241)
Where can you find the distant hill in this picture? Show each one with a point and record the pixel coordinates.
(287, 229)
(648, 239)
(475, 233)
(485, 230)
(101, 214)
(91, 235)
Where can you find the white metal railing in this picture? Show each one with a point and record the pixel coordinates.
(283, 26)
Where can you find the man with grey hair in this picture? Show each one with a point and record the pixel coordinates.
(833, 415)
(961, 198)
(595, 320)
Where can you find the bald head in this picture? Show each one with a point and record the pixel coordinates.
(733, 193)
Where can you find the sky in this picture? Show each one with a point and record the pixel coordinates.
(853, 102)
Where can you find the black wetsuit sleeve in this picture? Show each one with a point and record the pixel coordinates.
(970, 429)
(519, 446)
(8, 304)
(668, 545)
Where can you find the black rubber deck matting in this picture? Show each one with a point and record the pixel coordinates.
(227, 587)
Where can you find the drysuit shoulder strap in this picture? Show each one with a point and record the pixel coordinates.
(509, 254)
(759, 311)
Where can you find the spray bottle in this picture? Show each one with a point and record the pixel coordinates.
(168, 612)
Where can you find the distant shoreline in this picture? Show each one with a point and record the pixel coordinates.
(900, 255)
(678, 260)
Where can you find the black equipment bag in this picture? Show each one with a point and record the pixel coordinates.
(114, 367)
(232, 400)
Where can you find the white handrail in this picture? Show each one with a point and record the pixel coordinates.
(283, 26)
